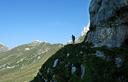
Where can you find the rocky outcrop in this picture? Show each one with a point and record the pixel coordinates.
(83, 34)
(108, 22)
(85, 30)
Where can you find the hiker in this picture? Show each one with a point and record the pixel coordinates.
(73, 39)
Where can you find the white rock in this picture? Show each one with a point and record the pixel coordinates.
(2, 66)
(118, 61)
(46, 80)
(86, 29)
(26, 49)
(9, 67)
(100, 54)
(20, 60)
(54, 76)
(73, 69)
(68, 54)
(45, 51)
(38, 57)
(81, 52)
(82, 70)
(42, 51)
(55, 62)
(37, 41)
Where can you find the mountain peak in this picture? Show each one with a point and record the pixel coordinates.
(3, 47)
(37, 41)
(85, 30)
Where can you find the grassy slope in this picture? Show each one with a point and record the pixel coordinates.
(97, 69)
(25, 74)
(28, 68)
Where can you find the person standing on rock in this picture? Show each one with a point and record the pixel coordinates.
(73, 39)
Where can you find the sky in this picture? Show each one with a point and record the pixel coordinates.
(54, 21)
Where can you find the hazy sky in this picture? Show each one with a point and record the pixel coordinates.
(22, 21)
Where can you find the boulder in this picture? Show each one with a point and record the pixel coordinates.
(108, 22)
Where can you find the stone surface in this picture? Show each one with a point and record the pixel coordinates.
(55, 62)
(73, 70)
(82, 70)
(108, 22)
(100, 54)
(118, 62)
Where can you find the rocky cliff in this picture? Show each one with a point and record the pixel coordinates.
(108, 22)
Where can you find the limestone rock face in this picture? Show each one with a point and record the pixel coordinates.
(108, 22)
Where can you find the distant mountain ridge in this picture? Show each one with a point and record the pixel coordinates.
(3, 48)
(23, 61)
(83, 33)
(85, 30)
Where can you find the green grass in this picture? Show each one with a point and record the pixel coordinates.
(97, 69)
(26, 69)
